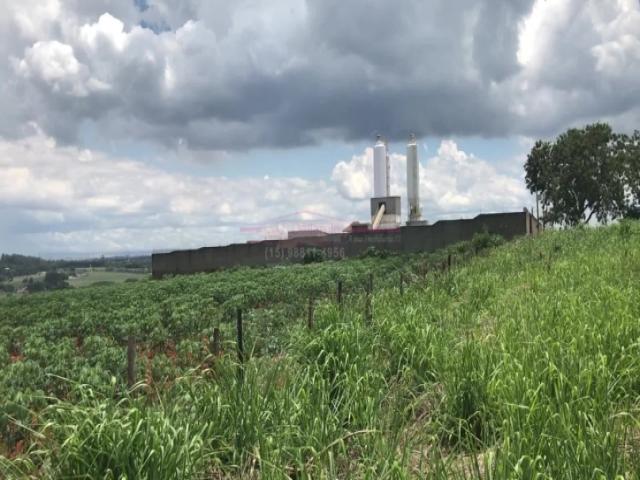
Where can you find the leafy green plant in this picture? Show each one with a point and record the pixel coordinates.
(519, 363)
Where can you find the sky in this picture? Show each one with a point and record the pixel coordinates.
(132, 126)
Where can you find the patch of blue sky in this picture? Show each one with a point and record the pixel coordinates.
(141, 5)
(315, 162)
(155, 27)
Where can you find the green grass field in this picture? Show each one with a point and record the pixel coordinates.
(522, 362)
(18, 281)
(87, 277)
(98, 275)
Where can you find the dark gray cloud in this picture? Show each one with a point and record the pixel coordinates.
(238, 75)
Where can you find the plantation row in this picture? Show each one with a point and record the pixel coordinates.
(51, 342)
(522, 363)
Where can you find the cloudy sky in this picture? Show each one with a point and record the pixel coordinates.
(142, 125)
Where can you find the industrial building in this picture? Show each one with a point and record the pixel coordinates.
(385, 230)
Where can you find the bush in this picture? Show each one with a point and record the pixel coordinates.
(103, 283)
(374, 252)
(55, 281)
(484, 240)
(633, 212)
(313, 256)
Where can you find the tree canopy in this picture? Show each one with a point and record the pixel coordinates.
(586, 173)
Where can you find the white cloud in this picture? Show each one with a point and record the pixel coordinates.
(63, 199)
(55, 65)
(108, 30)
(34, 17)
(236, 75)
(353, 178)
(457, 181)
(580, 63)
(211, 78)
(452, 183)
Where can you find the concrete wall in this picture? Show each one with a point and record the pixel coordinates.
(423, 238)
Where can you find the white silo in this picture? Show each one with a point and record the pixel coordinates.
(388, 171)
(380, 168)
(385, 209)
(413, 180)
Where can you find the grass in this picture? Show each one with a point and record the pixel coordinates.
(18, 281)
(522, 364)
(87, 278)
(100, 275)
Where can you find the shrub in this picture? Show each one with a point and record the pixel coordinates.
(313, 256)
(374, 252)
(484, 240)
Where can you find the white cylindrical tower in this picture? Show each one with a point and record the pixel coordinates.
(388, 170)
(413, 180)
(379, 169)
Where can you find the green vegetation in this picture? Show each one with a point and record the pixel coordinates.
(79, 277)
(586, 172)
(100, 275)
(12, 266)
(520, 362)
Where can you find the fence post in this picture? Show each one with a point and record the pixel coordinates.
(339, 294)
(310, 313)
(240, 345)
(131, 361)
(449, 262)
(215, 345)
(401, 283)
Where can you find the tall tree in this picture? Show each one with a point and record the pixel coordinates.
(629, 151)
(579, 176)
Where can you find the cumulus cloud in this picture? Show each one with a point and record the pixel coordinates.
(580, 62)
(237, 75)
(353, 178)
(56, 198)
(213, 77)
(452, 182)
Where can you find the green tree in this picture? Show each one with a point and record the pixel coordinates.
(580, 175)
(629, 152)
(55, 280)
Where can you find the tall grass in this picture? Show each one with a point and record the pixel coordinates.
(524, 363)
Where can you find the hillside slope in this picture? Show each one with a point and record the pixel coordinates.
(519, 363)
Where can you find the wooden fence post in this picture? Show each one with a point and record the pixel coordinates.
(131, 361)
(339, 294)
(449, 262)
(240, 345)
(401, 283)
(310, 313)
(215, 344)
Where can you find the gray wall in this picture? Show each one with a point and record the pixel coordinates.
(423, 238)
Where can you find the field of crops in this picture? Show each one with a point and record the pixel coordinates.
(520, 362)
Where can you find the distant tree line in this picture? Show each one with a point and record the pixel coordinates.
(586, 173)
(20, 265)
(51, 281)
